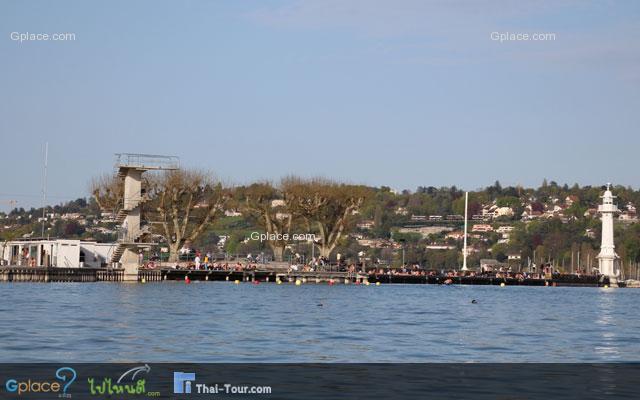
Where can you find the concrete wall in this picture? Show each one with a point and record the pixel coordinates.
(67, 254)
(96, 254)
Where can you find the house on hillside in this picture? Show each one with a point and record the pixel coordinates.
(455, 235)
(439, 246)
(629, 214)
(503, 212)
(570, 200)
(426, 230)
(482, 228)
(365, 224)
(505, 229)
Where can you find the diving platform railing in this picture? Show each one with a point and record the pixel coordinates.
(146, 161)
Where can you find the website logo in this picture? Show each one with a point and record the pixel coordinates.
(130, 382)
(66, 375)
(182, 382)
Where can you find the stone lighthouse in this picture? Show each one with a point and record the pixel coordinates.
(607, 257)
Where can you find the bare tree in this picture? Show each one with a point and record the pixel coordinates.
(327, 205)
(183, 204)
(108, 191)
(266, 204)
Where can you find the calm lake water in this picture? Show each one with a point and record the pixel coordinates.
(223, 322)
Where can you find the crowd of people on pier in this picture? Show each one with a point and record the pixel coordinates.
(322, 264)
(207, 263)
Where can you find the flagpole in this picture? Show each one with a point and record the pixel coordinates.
(466, 217)
(44, 185)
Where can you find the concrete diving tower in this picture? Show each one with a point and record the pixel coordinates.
(130, 168)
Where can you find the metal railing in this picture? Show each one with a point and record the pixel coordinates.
(127, 235)
(147, 161)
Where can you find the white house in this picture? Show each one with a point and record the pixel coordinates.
(502, 212)
(482, 228)
(366, 224)
(505, 229)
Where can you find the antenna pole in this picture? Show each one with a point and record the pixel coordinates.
(466, 217)
(44, 184)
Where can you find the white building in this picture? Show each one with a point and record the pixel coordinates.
(56, 253)
(366, 224)
(503, 212)
(505, 229)
(482, 228)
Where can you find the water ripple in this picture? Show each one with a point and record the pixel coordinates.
(222, 322)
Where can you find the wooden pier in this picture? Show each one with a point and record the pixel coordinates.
(48, 274)
(360, 278)
(52, 274)
(205, 275)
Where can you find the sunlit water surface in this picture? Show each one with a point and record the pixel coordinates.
(223, 322)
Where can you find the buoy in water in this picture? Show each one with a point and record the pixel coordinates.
(377, 283)
(298, 282)
(502, 284)
(187, 280)
(606, 286)
(237, 282)
(143, 280)
(278, 281)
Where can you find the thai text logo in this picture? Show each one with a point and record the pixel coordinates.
(127, 384)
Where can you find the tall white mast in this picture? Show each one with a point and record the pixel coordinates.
(466, 217)
(44, 185)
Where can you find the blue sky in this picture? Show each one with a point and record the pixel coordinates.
(398, 93)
